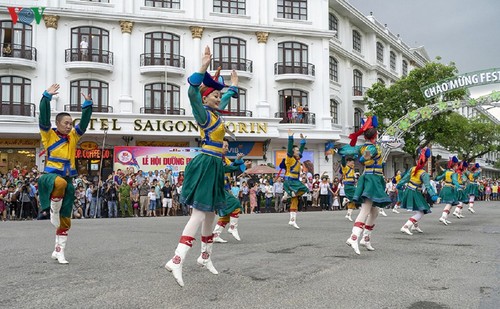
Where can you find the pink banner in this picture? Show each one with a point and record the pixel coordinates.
(153, 158)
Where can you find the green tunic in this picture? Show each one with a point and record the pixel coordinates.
(412, 198)
(448, 193)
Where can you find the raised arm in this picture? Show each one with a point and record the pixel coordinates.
(232, 92)
(289, 149)
(195, 80)
(86, 114)
(44, 115)
(302, 143)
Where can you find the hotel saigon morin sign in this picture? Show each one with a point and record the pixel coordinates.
(472, 79)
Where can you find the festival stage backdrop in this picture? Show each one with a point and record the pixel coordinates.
(153, 158)
(307, 156)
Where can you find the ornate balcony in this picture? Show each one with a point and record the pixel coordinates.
(81, 59)
(294, 71)
(243, 67)
(17, 109)
(307, 118)
(95, 108)
(163, 111)
(158, 64)
(18, 56)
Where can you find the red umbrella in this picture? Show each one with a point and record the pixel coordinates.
(261, 169)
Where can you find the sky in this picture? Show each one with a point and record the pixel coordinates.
(463, 31)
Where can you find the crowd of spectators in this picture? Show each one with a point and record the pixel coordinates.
(134, 194)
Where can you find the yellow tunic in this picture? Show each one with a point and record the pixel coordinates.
(60, 151)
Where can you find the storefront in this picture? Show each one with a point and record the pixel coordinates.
(88, 160)
(18, 153)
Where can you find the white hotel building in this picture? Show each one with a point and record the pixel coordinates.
(139, 53)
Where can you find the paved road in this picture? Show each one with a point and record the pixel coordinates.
(118, 263)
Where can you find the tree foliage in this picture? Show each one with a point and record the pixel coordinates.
(393, 102)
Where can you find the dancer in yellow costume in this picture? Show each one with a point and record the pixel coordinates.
(292, 185)
(56, 185)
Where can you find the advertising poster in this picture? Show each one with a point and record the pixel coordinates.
(307, 161)
(153, 158)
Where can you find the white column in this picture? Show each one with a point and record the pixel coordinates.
(263, 108)
(51, 22)
(126, 102)
(197, 33)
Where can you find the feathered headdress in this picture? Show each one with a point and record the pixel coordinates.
(371, 122)
(475, 167)
(452, 162)
(463, 166)
(423, 155)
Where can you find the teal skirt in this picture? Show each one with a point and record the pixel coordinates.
(45, 187)
(463, 196)
(372, 187)
(472, 189)
(413, 200)
(296, 186)
(349, 191)
(448, 195)
(203, 186)
(232, 203)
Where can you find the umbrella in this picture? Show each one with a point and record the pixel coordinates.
(261, 169)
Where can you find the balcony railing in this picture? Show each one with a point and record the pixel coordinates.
(95, 108)
(91, 55)
(307, 118)
(238, 64)
(19, 51)
(17, 109)
(171, 60)
(163, 111)
(241, 113)
(294, 68)
(359, 91)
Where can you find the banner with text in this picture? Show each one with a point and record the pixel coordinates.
(153, 158)
(251, 150)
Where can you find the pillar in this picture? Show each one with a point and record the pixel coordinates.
(263, 108)
(126, 102)
(51, 22)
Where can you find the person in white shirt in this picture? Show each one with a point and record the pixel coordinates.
(84, 48)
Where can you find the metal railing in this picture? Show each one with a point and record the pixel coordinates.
(95, 108)
(171, 60)
(294, 68)
(162, 111)
(17, 109)
(306, 118)
(241, 113)
(90, 55)
(238, 64)
(358, 91)
(18, 51)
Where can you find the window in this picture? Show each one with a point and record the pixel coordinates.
(334, 111)
(358, 114)
(405, 67)
(334, 69)
(380, 52)
(98, 90)
(162, 48)
(357, 83)
(293, 58)
(16, 40)
(169, 4)
(89, 44)
(230, 6)
(393, 60)
(15, 92)
(292, 9)
(237, 106)
(230, 53)
(156, 102)
(290, 100)
(333, 24)
(356, 41)
(380, 80)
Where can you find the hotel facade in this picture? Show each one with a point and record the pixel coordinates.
(302, 65)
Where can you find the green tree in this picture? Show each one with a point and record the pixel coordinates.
(469, 138)
(393, 102)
